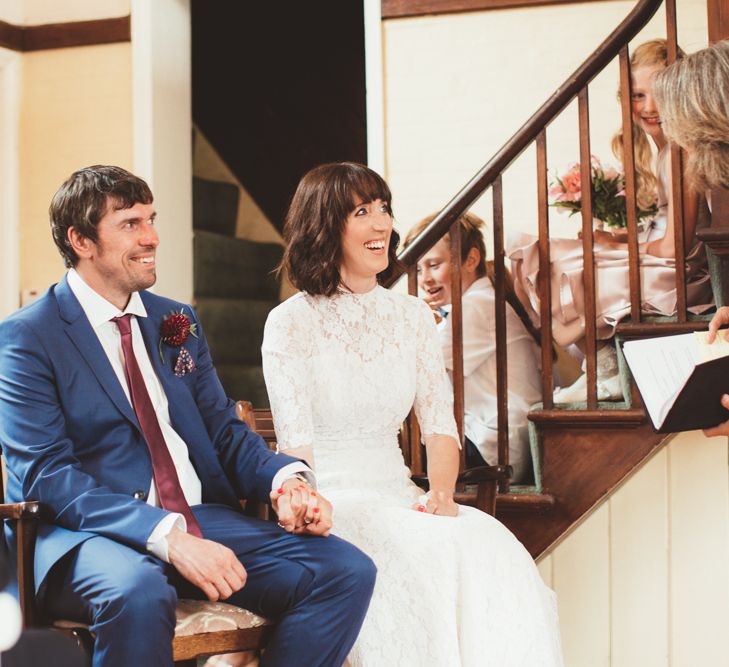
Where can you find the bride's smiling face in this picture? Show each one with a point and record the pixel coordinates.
(365, 244)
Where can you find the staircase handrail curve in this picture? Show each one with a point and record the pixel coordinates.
(510, 151)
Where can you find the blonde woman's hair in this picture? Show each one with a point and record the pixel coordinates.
(648, 54)
(693, 99)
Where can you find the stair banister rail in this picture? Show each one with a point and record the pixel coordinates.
(514, 147)
(534, 130)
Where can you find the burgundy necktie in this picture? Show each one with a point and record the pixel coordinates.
(168, 486)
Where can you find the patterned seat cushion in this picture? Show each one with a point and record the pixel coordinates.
(198, 616)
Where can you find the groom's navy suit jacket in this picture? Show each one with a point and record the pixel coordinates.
(72, 441)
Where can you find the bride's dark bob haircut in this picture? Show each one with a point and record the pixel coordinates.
(324, 198)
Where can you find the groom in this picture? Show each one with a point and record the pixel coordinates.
(112, 415)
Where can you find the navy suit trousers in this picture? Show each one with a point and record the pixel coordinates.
(317, 589)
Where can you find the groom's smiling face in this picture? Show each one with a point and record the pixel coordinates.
(122, 259)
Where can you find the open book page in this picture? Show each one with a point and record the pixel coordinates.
(661, 366)
(719, 348)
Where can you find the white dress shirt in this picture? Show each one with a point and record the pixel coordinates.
(100, 312)
(479, 370)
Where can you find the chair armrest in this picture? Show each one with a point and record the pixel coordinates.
(27, 515)
(479, 475)
(484, 477)
(31, 509)
(485, 474)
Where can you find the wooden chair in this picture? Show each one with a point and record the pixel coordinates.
(474, 486)
(203, 628)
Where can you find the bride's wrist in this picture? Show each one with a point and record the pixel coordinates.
(441, 494)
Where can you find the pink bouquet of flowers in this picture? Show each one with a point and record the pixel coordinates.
(608, 194)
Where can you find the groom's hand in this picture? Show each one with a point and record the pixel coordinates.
(300, 509)
(210, 566)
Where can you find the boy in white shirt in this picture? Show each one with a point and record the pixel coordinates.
(479, 346)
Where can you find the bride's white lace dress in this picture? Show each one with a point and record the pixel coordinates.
(342, 374)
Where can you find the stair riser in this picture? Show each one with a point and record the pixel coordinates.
(234, 329)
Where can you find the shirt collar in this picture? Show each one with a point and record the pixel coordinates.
(98, 310)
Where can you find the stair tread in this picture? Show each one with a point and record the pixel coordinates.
(520, 498)
(234, 328)
(526, 500)
(616, 413)
(244, 381)
(235, 268)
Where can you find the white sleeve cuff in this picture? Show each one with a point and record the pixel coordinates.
(291, 470)
(157, 541)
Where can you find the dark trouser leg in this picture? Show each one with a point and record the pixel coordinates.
(317, 588)
(38, 648)
(124, 595)
(473, 456)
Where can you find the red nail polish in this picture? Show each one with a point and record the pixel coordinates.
(316, 509)
(280, 491)
(313, 493)
(421, 508)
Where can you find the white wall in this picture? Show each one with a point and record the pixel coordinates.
(73, 114)
(162, 136)
(10, 84)
(125, 104)
(38, 12)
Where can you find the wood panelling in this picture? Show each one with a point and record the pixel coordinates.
(581, 579)
(648, 570)
(639, 593)
(580, 466)
(65, 35)
(392, 9)
(699, 546)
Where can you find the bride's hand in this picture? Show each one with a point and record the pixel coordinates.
(437, 502)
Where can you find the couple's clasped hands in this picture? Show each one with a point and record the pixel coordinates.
(216, 570)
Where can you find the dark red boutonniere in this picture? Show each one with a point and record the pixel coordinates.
(174, 331)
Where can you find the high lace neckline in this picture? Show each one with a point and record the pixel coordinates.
(343, 291)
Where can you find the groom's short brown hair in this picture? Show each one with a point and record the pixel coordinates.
(85, 197)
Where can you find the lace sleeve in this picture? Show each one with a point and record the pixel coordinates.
(433, 395)
(286, 366)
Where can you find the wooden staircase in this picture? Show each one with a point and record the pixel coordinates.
(234, 288)
(580, 452)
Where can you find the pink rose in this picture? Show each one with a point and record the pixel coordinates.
(572, 182)
(556, 192)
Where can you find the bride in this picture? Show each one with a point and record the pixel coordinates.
(344, 361)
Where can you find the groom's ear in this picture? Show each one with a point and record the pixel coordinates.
(82, 245)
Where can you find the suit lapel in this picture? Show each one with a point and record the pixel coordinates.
(150, 332)
(87, 343)
(150, 326)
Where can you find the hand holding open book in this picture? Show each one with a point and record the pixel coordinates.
(683, 379)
